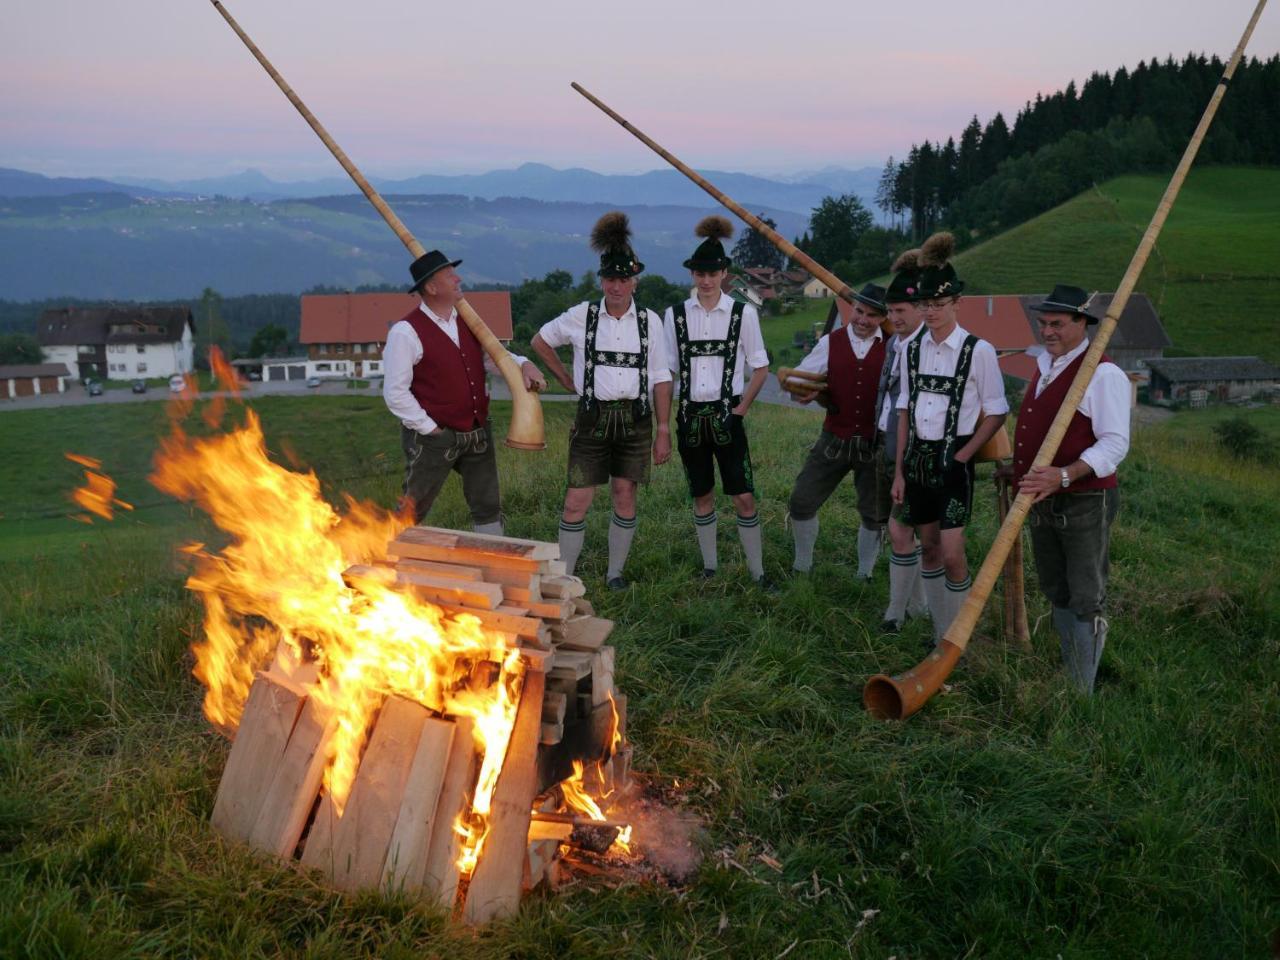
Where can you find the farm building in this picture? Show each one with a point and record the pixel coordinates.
(344, 333)
(30, 380)
(1175, 379)
(119, 343)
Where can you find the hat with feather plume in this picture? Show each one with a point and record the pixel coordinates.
(710, 255)
(611, 238)
(905, 285)
(937, 276)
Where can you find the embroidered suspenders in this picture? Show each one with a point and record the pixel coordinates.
(693, 417)
(614, 358)
(915, 460)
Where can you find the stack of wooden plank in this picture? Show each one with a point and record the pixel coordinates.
(398, 829)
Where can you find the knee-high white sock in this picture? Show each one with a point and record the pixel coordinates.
(904, 571)
(706, 527)
(805, 533)
(621, 532)
(935, 595)
(571, 536)
(749, 533)
(868, 551)
(956, 592)
(917, 605)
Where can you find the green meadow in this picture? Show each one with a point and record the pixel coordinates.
(1009, 818)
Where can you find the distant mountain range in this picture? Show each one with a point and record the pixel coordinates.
(798, 194)
(116, 246)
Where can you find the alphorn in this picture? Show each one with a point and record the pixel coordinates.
(525, 430)
(801, 381)
(898, 697)
(834, 283)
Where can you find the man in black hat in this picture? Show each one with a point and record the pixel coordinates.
(711, 341)
(852, 357)
(1077, 496)
(434, 382)
(906, 590)
(953, 394)
(621, 378)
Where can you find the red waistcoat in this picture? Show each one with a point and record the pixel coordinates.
(852, 386)
(1034, 420)
(449, 381)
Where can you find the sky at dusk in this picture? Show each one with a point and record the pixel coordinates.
(163, 88)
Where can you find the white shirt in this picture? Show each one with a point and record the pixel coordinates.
(899, 344)
(402, 353)
(706, 373)
(612, 333)
(1106, 403)
(983, 391)
(819, 356)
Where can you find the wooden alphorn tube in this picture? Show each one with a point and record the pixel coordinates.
(834, 283)
(898, 697)
(525, 431)
(801, 381)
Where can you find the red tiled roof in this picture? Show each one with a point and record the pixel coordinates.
(366, 317)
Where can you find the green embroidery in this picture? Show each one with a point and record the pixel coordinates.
(592, 357)
(694, 418)
(917, 463)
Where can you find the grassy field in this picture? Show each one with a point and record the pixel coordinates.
(1213, 275)
(1007, 819)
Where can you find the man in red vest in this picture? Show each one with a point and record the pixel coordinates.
(852, 358)
(1076, 497)
(434, 381)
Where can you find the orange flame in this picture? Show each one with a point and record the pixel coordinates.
(278, 584)
(98, 495)
(577, 798)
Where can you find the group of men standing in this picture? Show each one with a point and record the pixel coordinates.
(906, 415)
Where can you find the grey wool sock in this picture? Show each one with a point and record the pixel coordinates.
(621, 532)
(571, 537)
(956, 593)
(805, 533)
(868, 551)
(749, 533)
(904, 571)
(917, 605)
(705, 525)
(935, 595)
(493, 529)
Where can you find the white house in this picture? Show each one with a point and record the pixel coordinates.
(119, 343)
(815, 289)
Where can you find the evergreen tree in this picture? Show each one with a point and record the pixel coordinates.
(754, 249)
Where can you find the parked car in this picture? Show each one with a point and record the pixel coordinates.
(177, 383)
(255, 375)
(313, 381)
(138, 386)
(95, 388)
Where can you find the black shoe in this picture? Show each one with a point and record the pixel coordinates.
(617, 584)
(890, 628)
(765, 585)
(708, 573)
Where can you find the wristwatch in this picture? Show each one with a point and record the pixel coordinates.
(1066, 478)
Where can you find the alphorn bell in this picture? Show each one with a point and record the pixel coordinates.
(900, 696)
(801, 381)
(525, 430)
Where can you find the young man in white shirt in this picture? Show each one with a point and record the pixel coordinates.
(434, 381)
(620, 375)
(1077, 496)
(711, 341)
(953, 395)
(852, 358)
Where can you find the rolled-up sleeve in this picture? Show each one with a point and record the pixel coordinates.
(991, 381)
(401, 354)
(559, 332)
(659, 367)
(753, 348)
(816, 360)
(1107, 405)
(669, 339)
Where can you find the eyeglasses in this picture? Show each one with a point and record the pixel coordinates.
(1055, 325)
(936, 304)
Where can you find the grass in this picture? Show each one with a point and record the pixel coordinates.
(1008, 819)
(1212, 275)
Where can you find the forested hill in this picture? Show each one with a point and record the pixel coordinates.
(995, 176)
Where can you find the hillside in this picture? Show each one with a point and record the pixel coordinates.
(1213, 275)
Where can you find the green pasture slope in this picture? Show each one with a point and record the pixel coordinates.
(1214, 275)
(1007, 819)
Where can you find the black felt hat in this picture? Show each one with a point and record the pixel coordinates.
(937, 275)
(905, 285)
(710, 255)
(1068, 299)
(872, 295)
(611, 238)
(427, 266)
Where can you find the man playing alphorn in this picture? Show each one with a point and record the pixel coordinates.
(620, 375)
(852, 357)
(1077, 497)
(434, 382)
(953, 395)
(711, 339)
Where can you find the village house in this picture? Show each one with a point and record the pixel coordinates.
(1197, 380)
(344, 333)
(119, 342)
(33, 379)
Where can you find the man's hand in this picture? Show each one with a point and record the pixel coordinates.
(1041, 482)
(741, 409)
(533, 378)
(898, 492)
(804, 396)
(662, 445)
